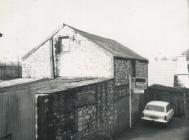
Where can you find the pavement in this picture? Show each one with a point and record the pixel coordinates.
(178, 129)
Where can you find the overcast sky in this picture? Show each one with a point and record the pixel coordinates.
(149, 27)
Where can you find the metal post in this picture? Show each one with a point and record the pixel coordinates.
(130, 103)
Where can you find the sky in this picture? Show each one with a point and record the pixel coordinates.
(149, 27)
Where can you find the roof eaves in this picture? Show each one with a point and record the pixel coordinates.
(127, 58)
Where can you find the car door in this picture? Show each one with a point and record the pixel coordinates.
(169, 111)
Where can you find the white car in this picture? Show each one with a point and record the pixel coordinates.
(158, 111)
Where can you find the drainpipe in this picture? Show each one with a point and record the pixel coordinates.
(52, 65)
(130, 102)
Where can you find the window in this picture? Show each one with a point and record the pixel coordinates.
(168, 107)
(155, 108)
(140, 80)
(64, 43)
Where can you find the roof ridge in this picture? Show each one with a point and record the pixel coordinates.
(88, 32)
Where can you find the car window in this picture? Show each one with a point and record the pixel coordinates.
(155, 108)
(168, 107)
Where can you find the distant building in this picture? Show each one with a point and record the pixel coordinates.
(182, 73)
(169, 72)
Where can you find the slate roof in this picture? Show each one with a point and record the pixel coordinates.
(112, 46)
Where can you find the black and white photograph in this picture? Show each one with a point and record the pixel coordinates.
(94, 69)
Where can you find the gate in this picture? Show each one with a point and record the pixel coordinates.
(17, 120)
(122, 122)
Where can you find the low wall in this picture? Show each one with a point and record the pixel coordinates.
(77, 113)
(82, 112)
(178, 97)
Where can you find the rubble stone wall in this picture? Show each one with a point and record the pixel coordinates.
(77, 114)
(141, 69)
(122, 69)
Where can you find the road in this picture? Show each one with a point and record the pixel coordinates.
(178, 129)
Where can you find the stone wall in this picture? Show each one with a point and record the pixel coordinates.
(141, 69)
(138, 104)
(122, 69)
(97, 109)
(86, 120)
(78, 113)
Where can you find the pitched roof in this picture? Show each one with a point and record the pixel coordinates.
(109, 45)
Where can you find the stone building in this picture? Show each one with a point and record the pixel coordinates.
(70, 52)
(83, 110)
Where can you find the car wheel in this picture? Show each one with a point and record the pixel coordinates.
(165, 125)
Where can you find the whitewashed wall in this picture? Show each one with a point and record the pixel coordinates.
(37, 65)
(84, 58)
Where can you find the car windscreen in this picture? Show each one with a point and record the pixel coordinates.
(155, 108)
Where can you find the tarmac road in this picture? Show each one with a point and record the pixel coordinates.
(178, 129)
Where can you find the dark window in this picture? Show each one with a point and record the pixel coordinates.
(140, 80)
(168, 107)
(63, 44)
(155, 108)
